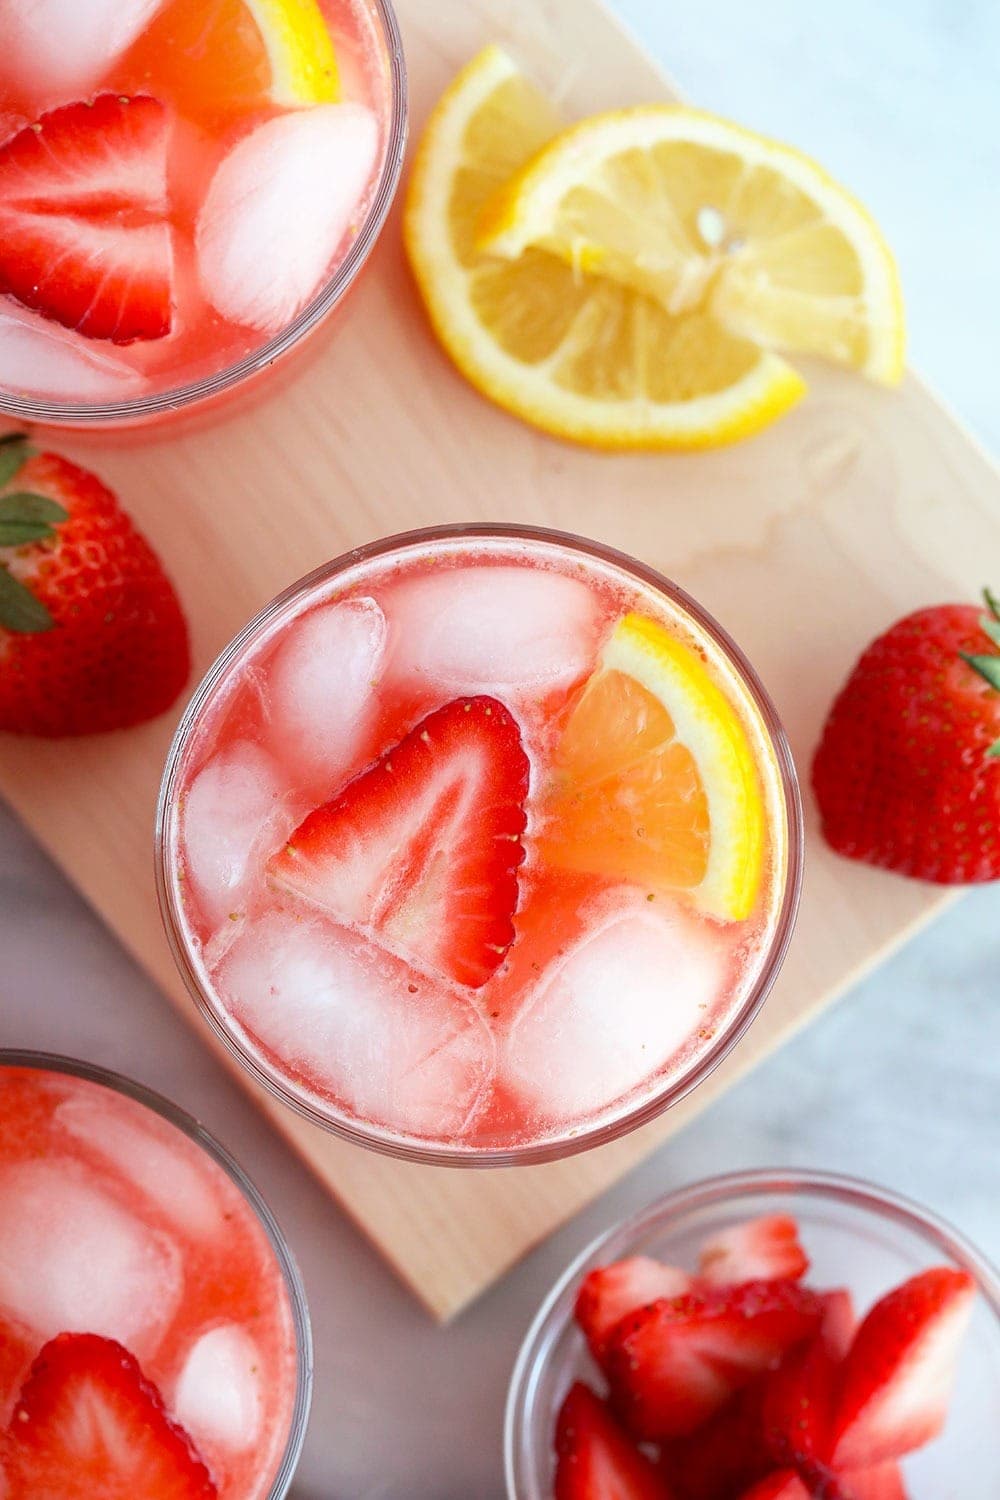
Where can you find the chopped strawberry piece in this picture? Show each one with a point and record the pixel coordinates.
(785, 1485)
(899, 1371)
(596, 1459)
(15, 1361)
(725, 1454)
(84, 234)
(884, 1482)
(608, 1293)
(799, 1397)
(423, 848)
(766, 1249)
(675, 1363)
(89, 1424)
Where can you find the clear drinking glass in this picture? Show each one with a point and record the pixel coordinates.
(858, 1236)
(51, 1063)
(349, 572)
(227, 389)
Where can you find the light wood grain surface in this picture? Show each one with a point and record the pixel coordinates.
(806, 541)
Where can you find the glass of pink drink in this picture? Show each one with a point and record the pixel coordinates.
(436, 864)
(154, 1339)
(187, 190)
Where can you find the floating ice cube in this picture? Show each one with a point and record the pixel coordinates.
(72, 1259)
(277, 209)
(504, 630)
(394, 1047)
(612, 1013)
(320, 682)
(149, 1154)
(234, 815)
(66, 46)
(40, 359)
(218, 1396)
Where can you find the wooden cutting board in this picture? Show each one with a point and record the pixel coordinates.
(804, 542)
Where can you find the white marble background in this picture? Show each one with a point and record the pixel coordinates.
(901, 1081)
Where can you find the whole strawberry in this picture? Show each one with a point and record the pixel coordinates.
(92, 636)
(907, 774)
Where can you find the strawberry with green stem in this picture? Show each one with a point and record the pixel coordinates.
(92, 636)
(907, 773)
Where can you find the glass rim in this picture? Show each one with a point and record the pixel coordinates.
(709, 1192)
(54, 1062)
(95, 415)
(379, 1138)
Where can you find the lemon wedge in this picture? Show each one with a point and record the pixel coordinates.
(655, 779)
(299, 49)
(572, 350)
(713, 221)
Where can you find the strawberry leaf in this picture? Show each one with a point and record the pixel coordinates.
(15, 451)
(987, 667)
(25, 517)
(992, 603)
(20, 611)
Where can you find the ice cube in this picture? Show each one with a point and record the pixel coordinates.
(234, 815)
(395, 1047)
(511, 631)
(40, 359)
(65, 46)
(277, 209)
(150, 1154)
(613, 1012)
(218, 1396)
(73, 1259)
(321, 689)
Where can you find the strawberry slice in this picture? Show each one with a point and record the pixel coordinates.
(15, 1361)
(423, 848)
(766, 1249)
(898, 1374)
(799, 1397)
(608, 1293)
(84, 237)
(596, 1460)
(785, 1485)
(725, 1454)
(883, 1482)
(676, 1362)
(89, 1424)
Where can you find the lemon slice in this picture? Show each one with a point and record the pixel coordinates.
(655, 780)
(711, 219)
(299, 49)
(583, 356)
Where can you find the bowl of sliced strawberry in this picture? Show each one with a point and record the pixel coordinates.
(764, 1336)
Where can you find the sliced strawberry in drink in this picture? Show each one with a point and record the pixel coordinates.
(784, 1485)
(608, 1293)
(765, 1249)
(596, 1459)
(84, 235)
(15, 1360)
(798, 1398)
(672, 1365)
(88, 1424)
(899, 1371)
(423, 848)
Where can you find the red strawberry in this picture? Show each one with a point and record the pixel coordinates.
(766, 1249)
(15, 1359)
(798, 1399)
(725, 1454)
(92, 636)
(785, 1485)
(84, 235)
(884, 1482)
(596, 1460)
(609, 1292)
(425, 845)
(673, 1364)
(89, 1424)
(907, 774)
(898, 1374)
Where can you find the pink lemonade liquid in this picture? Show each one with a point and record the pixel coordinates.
(115, 1223)
(401, 898)
(178, 181)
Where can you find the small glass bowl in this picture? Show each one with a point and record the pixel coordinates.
(51, 1063)
(856, 1235)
